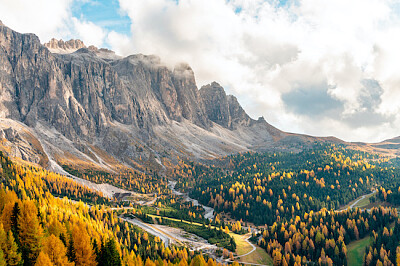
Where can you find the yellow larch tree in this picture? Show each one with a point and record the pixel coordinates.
(43, 260)
(83, 250)
(30, 231)
(56, 251)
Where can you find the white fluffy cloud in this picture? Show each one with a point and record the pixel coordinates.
(320, 67)
(50, 19)
(88, 32)
(42, 17)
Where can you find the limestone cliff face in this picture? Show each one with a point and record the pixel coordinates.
(92, 96)
(223, 109)
(80, 93)
(167, 95)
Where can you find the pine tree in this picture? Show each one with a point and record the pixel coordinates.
(3, 239)
(198, 261)
(13, 257)
(14, 222)
(6, 216)
(2, 258)
(149, 262)
(109, 255)
(70, 250)
(211, 262)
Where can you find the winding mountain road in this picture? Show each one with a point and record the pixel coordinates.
(356, 201)
(361, 198)
(208, 211)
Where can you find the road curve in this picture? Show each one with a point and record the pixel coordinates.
(150, 229)
(251, 251)
(357, 201)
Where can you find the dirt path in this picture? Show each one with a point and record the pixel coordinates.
(254, 256)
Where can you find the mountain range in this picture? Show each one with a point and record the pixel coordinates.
(64, 103)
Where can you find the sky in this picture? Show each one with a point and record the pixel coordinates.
(318, 67)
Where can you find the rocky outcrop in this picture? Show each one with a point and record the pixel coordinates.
(165, 94)
(223, 109)
(60, 46)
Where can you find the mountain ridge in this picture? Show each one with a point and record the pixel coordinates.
(95, 109)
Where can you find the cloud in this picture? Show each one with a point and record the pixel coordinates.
(42, 17)
(88, 32)
(121, 43)
(50, 19)
(313, 66)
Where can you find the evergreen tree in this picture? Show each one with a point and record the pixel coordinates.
(56, 251)
(14, 222)
(109, 255)
(2, 258)
(70, 250)
(198, 261)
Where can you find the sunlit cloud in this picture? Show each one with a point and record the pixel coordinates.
(318, 67)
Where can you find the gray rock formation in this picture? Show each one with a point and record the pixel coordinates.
(68, 46)
(223, 109)
(132, 108)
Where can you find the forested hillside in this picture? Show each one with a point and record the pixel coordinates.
(37, 228)
(300, 200)
(264, 188)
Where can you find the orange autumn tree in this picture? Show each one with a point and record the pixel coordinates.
(84, 254)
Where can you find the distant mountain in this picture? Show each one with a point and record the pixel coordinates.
(389, 147)
(63, 103)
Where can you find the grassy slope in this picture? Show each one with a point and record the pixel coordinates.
(259, 256)
(242, 247)
(355, 251)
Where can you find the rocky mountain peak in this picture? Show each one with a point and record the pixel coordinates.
(64, 47)
(1, 23)
(223, 109)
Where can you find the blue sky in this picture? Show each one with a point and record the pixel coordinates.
(104, 13)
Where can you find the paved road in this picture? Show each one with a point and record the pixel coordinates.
(361, 198)
(208, 211)
(152, 230)
(357, 201)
